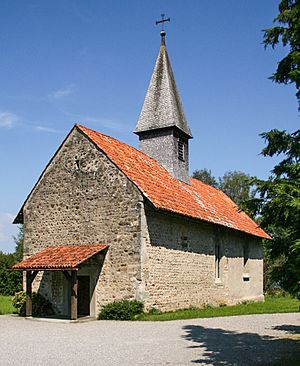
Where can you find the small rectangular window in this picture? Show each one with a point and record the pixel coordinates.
(245, 253)
(180, 149)
(184, 243)
(217, 260)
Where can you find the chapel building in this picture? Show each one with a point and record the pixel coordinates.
(106, 221)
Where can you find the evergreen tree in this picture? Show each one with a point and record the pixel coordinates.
(287, 32)
(278, 205)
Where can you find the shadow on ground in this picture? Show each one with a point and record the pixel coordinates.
(229, 348)
(293, 329)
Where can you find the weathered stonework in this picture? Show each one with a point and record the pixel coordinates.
(162, 145)
(82, 198)
(166, 260)
(179, 263)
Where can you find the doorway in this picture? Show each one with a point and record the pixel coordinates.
(83, 296)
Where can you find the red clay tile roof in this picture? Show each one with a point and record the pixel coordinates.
(198, 200)
(60, 257)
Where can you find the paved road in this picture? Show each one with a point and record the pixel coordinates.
(243, 340)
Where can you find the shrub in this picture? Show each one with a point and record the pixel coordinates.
(121, 310)
(40, 305)
(276, 292)
(19, 301)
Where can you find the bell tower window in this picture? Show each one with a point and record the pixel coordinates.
(180, 149)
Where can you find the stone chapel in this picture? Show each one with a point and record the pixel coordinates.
(106, 221)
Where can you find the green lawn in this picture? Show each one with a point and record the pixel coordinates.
(6, 305)
(271, 305)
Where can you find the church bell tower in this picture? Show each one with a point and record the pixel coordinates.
(162, 127)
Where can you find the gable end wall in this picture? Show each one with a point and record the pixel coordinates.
(82, 198)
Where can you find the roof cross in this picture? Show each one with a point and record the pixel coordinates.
(162, 32)
(162, 21)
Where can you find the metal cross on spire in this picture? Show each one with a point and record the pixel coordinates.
(162, 21)
(162, 32)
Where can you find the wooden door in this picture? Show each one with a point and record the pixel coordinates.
(83, 295)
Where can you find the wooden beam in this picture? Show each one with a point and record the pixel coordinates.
(28, 310)
(68, 276)
(33, 275)
(30, 276)
(74, 286)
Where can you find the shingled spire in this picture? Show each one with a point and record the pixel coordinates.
(162, 127)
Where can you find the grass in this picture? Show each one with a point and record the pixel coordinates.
(271, 305)
(6, 305)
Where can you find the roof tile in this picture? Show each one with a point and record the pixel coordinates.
(198, 200)
(60, 257)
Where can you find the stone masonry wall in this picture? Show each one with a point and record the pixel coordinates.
(165, 260)
(82, 198)
(179, 263)
(162, 145)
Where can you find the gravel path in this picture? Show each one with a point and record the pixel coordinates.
(243, 340)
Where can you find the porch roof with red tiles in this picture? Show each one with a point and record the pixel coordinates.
(198, 200)
(60, 257)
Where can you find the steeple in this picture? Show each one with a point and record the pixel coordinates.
(162, 127)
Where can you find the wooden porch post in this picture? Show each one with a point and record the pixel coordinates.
(28, 311)
(30, 276)
(74, 286)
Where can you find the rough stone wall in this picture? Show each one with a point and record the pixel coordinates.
(165, 260)
(82, 198)
(162, 145)
(179, 266)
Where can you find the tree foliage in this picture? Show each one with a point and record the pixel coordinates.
(11, 281)
(234, 183)
(287, 32)
(206, 176)
(278, 204)
(19, 244)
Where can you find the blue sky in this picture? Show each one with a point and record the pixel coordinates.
(68, 61)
